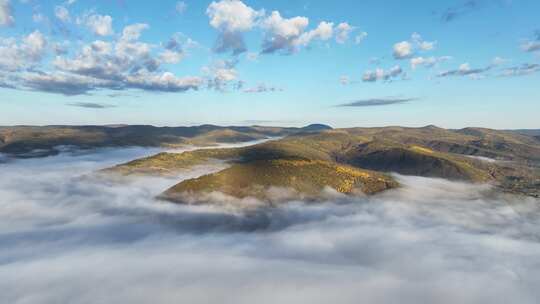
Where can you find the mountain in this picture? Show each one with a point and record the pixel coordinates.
(308, 162)
(528, 132)
(316, 128)
(30, 141)
(275, 181)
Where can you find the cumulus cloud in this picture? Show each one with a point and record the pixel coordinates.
(323, 32)
(374, 102)
(18, 55)
(133, 32)
(282, 33)
(231, 18)
(407, 49)
(163, 82)
(287, 35)
(382, 75)
(62, 13)
(427, 62)
(421, 43)
(70, 238)
(402, 50)
(115, 64)
(6, 14)
(173, 57)
(360, 37)
(221, 73)
(343, 31)
(99, 24)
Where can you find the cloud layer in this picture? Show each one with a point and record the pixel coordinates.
(67, 237)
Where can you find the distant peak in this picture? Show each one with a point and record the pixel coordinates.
(316, 127)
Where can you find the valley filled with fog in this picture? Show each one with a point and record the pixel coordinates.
(68, 236)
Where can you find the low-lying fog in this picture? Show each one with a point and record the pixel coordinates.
(69, 238)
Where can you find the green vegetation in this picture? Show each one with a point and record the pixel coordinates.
(306, 178)
(428, 151)
(306, 160)
(23, 141)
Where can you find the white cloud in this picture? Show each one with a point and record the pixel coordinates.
(382, 75)
(286, 28)
(165, 82)
(220, 74)
(282, 33)
(323, 32)
(100, 25)
(407, 49)
(120, 64)
(35, 44)
(6, 17)
(464, 67)
(360, 37)
(17, 56)
(133, 32)
(421, 44)
(232, 16)
(427, 62)
(343, 31)
(172, 57)
(402, 50)
(62, 13)
(288, 34)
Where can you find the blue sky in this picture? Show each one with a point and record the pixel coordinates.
(345, 63)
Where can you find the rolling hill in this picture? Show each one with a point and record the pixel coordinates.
(31, 141)
(508, 160)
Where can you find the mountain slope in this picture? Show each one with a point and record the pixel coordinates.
(29, 141)
(429, 151)
(275, 180)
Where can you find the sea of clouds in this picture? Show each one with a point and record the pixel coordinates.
(67, 236)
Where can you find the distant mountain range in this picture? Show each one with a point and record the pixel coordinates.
(31, 141)
(305, 160)
(354, 160)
